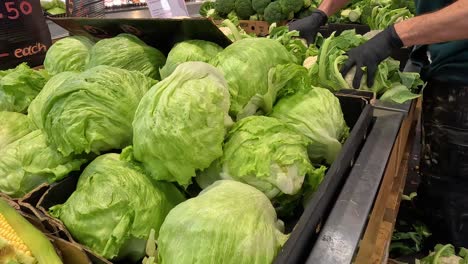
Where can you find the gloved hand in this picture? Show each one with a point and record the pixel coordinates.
(370, 55)
(308, 27)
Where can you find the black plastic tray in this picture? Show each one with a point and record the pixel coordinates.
(358, 115)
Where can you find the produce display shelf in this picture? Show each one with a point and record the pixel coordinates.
(358, 115)
(377, 237)
(340, 236)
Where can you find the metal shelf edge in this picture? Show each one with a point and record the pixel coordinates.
(338, 240)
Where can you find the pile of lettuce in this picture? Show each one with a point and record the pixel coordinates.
(390, 84)
(377, 14)
(242, 123)
(54, 7)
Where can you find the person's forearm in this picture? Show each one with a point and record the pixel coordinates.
(330, 7)
(450, 23)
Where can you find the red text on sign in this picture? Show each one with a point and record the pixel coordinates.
(30, 50)
(14, 12)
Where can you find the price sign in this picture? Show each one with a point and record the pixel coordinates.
(24, 35)
(167, 8)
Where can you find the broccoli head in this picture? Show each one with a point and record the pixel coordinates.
(289, 6)
(205, 7)
(244, 9)
(260, 5)
(274, 13)
(224, 7)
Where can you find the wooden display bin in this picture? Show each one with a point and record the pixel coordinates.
(377, 236)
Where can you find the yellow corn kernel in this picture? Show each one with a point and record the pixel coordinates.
(9, 234)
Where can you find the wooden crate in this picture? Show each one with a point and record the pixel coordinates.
(374, 245)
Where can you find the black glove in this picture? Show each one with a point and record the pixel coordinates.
(308, 27)
(370, 55)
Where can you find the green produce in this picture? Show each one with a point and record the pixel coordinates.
(274, 13)
(290, 40)
(13, 126)
(291, 6)
(246, 65)
(316, 114)
(55, 83)
(399, 94)
(47, 4)
(260, 5)
(68, 54)
(29, 162)
(189, 50)
(412, 240)
(128, 52)
(312, 182)
(229, 222)
(54, 7)
(91, 111)
(331, 57)
(224, 7)
(353, 15)
(388, 78)
(206, 8)
(267, 154)
(181, 122)
(287, 79)
(445, 254)
(244, 9)
(376, 14)
(21, 242)
(19, 86)
(233, 32)
(115, 206)
(384, 16)
(56, 11)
